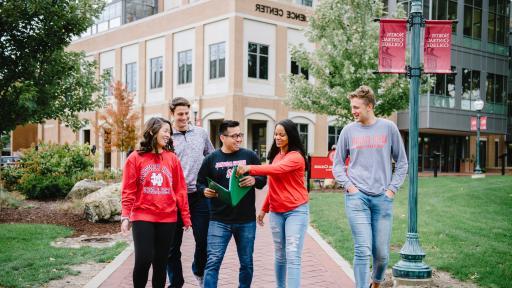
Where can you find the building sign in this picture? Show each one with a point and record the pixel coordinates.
(483, 123)
(437, 46)
(321, 168)
(280, 12)
(392, 44)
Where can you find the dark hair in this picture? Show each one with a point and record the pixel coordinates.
(151, 129)
(294, 143)
(227, 124)
(178, 101)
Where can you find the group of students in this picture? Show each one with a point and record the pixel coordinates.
(165, 192)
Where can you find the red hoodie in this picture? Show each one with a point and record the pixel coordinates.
(154, 188)
(286, 188)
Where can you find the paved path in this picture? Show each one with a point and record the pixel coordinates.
(318, 268)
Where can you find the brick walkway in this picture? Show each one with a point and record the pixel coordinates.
(318, 269)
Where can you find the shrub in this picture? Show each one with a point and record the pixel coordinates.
(11, 175)
(9, 200)
(51, 170)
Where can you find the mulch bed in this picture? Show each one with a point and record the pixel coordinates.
(38, 212)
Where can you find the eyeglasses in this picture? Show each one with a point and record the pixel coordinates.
(235, 136)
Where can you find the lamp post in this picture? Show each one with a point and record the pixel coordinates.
(479, 105)
(195, 109)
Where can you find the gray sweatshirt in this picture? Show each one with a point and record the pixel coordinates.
(191, 147)
(371, 149)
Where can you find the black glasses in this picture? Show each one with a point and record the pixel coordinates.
(235, 136)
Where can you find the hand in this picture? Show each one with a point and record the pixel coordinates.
(187, 228)
(125, 227)
(242, 169)
(260, 218)
(247, 181)
(352, 189)
(390, 194)
(210, 193)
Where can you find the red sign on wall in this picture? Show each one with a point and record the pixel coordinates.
(321, 168)
(483, 123)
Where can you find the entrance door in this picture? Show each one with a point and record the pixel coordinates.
(483, 154)
(257, 138)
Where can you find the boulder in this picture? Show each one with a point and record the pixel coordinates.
(85, 187)
(104, 204)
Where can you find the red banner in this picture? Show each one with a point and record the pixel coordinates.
(437, 46)
(321, 168)
(483, 123)
(392, 44)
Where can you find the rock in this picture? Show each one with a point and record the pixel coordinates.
(104, 204)
(85, 187)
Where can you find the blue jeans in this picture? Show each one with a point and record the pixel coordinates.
(370, 219)
(219, 235)
(288, 229)
(200, 216)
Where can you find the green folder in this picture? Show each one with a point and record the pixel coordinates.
(235, 192)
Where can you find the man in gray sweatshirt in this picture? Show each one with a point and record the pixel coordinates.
(369, 144)
(191, 145)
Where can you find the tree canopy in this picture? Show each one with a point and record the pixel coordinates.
(39, 79)
(345, 58)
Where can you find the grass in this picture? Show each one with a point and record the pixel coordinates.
(28, 260)
(465, 226)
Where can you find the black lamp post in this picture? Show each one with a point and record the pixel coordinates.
(479, 105)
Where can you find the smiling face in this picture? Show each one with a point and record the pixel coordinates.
(361, 110)
(163, 136)
(232, 139)
(281, 138)
(181, 117)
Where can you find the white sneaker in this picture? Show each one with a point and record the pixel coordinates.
(200, 280)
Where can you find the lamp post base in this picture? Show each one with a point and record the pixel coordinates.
(406, 283)
(411, 265)
(477, 176)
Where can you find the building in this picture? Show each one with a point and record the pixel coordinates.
(228, 56)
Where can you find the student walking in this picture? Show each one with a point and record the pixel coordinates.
(369, 183)
(153, 189)
(287, 201)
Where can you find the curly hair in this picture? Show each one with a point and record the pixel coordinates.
(149, 141)
(365, 93)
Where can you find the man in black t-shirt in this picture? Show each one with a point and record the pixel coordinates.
(227, 221)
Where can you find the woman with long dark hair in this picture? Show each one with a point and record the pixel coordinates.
(153, 190)
(287, 201)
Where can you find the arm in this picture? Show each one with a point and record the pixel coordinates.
(201, 182)
(400, 158)
(129, 187)
(180, 191)
(338, 169)
(261, 181)
(208, 146)
(266, 204)
(291, 162)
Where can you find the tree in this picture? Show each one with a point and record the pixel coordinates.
(39, 79)
(120, 121)
(345, 58)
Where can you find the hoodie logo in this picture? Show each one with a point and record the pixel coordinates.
(157, 179)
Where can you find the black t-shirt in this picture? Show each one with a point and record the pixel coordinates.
(218, 166)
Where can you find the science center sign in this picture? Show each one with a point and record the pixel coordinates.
(280, 12)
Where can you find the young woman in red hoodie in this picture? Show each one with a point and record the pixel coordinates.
(287, 201)
(153, 190)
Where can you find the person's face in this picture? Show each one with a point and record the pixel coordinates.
(232, 139)
(163, 136)
(281, 137)
(181, 117)
(360, 110)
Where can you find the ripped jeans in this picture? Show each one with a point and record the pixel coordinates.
(288, 229)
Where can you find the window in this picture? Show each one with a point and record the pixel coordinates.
(473, 18)
(87, 136)
(497, 23)
(334, 133)
(107, 83)
(445, 10)
(156, 72)
(297, 69)
(131, 77)
(305, 2)
(444, 86)
(303, 135)
(218, 60)
(185, 67)
(258, 61)
(470, 88)
(496, 93)
(135, 10)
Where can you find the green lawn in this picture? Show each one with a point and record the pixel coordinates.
(28, 260)
(465, 226)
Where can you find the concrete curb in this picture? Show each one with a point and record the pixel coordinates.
(110, 268)
(344, 265)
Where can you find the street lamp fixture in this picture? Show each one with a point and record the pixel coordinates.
(195, 109)
(479, 105)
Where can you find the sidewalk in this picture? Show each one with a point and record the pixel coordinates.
(319, 269)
